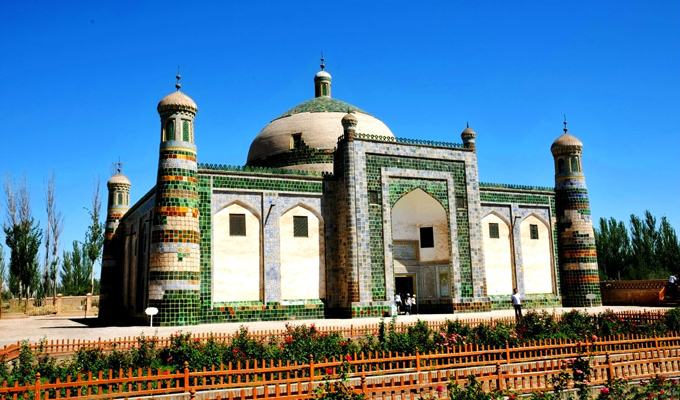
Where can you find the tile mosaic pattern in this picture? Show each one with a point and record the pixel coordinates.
(302, 156)
(321, 104)
(278, 193)
(174, 269)
(374, 163)
(577, 251)
(519, 200)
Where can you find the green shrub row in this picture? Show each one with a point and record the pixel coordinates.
(299, 343)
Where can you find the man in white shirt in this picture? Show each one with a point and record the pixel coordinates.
(517, 304)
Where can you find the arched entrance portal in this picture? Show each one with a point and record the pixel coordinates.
(421, 246)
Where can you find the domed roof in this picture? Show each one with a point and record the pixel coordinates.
(118, 179)
(318, 122)
(177, 101)
(566, 142)
(349, 120)
(468, 133)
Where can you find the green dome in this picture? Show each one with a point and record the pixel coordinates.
(321, 104)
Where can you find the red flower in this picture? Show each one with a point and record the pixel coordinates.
(375, 332)
(329, 371)
(594, 338)
(512, 397)
(440, 389)
(169, 358)
(604, 391)
(348, 358)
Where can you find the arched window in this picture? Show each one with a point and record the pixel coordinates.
(170, 129)
(185, 131)
(560, 166)
(574, 165)
(119, 201)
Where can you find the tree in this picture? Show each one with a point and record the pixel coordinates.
(22, 236)
(55, 224)
(94, 236)
(649, 251)
(2, 275)
(75, 272)
(613, 249)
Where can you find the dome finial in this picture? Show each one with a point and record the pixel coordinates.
(565, 123)
(468, 124)
(322, 64)
(178, 85)
(120, 165)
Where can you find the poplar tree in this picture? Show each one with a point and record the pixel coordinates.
(22, 236)
(94, 236)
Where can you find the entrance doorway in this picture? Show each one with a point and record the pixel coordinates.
(404, 285)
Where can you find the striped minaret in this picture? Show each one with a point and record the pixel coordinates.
(117, 205)
(174, 260)
(576, 241)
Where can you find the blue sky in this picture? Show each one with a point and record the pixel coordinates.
(80, 82)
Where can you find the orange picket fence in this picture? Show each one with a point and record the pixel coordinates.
(522, 369)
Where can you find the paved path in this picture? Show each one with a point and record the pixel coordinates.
(56, 328)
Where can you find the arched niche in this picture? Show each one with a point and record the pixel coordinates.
(302, 254)
(536, 259)
(236, 254)
(497, 255)
(416, 210)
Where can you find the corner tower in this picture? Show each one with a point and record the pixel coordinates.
(112, 266)
(576, 241)
(174, 260)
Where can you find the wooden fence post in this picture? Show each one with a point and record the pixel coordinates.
(192, 394)
(59, 300)
(417, 360)
(186, 376)
(610, 369)
(507, 352)
(311, 372)
(364, 386)
(657, 364)
(37, 386)
(499, 377)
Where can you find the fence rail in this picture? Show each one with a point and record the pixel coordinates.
(66, 346)
(520, 369)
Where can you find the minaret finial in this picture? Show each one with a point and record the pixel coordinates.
(120, 165)
(565, 123)
(178, 85)
(322, 64)
(468, 124)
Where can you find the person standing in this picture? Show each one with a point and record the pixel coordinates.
(673, 283)
(397, 299)
(408, 303)
(516, 304)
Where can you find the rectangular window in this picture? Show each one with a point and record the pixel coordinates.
(461, 202)
(300, 226)
(296, 141)
(237, 224)
(493, 231)
(373, 197)
(534, 231)
(426, 237)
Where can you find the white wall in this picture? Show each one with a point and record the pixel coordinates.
(236, 259)
(302, 258)
(497, 257)
(418, 209)
(536, 257)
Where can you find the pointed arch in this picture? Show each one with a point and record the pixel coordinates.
(406, 193)
(535, 237)
(240, 203)
(302, 253)
(236, 253)
(497, 254)
(419, 213)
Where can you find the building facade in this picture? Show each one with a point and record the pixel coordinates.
(333, 215)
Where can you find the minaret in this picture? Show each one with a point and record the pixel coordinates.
(322, 82)
(112, 268)
(174, 260)
(468, 136)
(576, 241)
